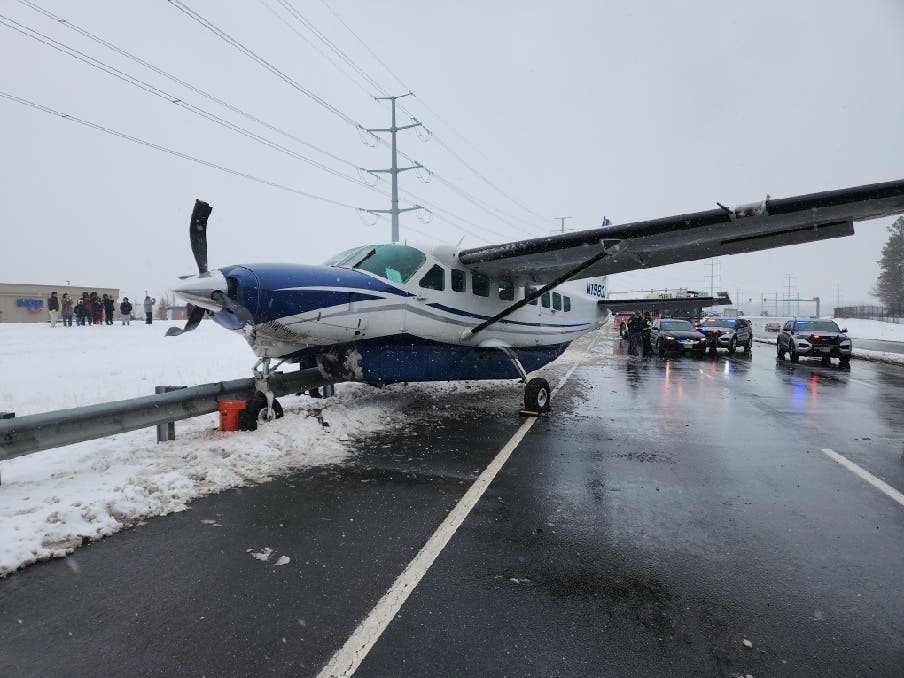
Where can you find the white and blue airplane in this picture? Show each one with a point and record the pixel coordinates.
(399, 313)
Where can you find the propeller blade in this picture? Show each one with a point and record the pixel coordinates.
(197, 232)
(195, 315)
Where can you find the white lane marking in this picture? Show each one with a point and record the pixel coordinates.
(866, 475)
(349, 657)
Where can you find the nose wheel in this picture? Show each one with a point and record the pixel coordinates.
(264, 406)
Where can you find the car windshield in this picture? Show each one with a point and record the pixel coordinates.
(718, 322)
(815, 326)
(396, 263)
(677, 326)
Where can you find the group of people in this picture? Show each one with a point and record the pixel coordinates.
(639, 330)
(92, 309)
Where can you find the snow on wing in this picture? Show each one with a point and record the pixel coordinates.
(688, 237)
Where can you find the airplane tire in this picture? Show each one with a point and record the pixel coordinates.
(249, 418)
(537, 395)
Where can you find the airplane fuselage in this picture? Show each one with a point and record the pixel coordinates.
(400, 314)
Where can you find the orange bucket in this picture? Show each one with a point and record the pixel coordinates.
(229, 414)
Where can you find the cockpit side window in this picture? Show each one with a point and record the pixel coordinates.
(435, 278)
(396, 263)
(480, 284)
(528, 290)
(458, 280)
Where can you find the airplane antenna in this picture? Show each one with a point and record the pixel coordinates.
(395, 169)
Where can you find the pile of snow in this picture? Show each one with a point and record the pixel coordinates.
(53, 501)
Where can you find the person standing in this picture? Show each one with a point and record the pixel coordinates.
(148, 309)
(80, 312)
(67, 309)
(86, 304)
(53, 307)
(125, 311)
(109, 307)
(646, 332)
(97, 309)
(635, 327)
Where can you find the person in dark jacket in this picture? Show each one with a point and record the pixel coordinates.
(125, 311)
(53, 307)
(109, 306)
(645, 333)
(86, 304)
(635, 327)
(97, 309)
(80, 312)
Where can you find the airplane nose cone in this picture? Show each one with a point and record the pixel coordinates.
(199, 289)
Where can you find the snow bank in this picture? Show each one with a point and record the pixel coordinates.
(53, 501)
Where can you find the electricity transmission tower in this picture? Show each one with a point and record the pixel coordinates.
(562, 219)
(395, 169)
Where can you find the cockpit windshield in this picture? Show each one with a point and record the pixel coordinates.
(396, 263)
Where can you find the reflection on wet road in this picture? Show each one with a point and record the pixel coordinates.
(670, 517)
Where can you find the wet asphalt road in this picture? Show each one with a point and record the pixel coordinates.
(665, 512)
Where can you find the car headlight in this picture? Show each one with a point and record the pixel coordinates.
(846, 342)
(670, 337)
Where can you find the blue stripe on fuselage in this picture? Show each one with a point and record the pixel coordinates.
(272, 291)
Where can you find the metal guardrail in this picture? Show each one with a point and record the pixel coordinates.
(36, 432)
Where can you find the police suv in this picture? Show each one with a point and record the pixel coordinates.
(814, 338)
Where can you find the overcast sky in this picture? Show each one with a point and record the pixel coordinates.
(634, 110)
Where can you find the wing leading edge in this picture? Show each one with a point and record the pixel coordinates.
(688, 237)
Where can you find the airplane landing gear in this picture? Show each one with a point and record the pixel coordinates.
(536, 396)
(264, 406)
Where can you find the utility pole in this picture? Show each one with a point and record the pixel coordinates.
(395, 169)
(712, 276)
(562, 219)
(788, 278)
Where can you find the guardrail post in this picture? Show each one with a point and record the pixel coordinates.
(6, 415)
(166, 431)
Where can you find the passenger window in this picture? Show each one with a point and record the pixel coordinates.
(528, 290)
(480, 284)
(458, 280)
(506, 290)
(544, 300)
(566, 301)
(557, 301)
(435, 279)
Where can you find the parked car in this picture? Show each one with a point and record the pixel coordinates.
(814, 338)
(670, 335)
(728, 333)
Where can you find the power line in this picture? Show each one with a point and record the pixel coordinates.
(164, 149)
(197, 90)
(182, 7)
(151, 89)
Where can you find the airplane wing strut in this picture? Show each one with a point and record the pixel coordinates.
(540, 292)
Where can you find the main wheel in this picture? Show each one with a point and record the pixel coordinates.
(256, 406)
(536, 395)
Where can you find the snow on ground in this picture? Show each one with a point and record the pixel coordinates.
(52, 501)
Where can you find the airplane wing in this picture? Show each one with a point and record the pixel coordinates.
(688, 237)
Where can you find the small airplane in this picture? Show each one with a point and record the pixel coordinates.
(391, 313)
